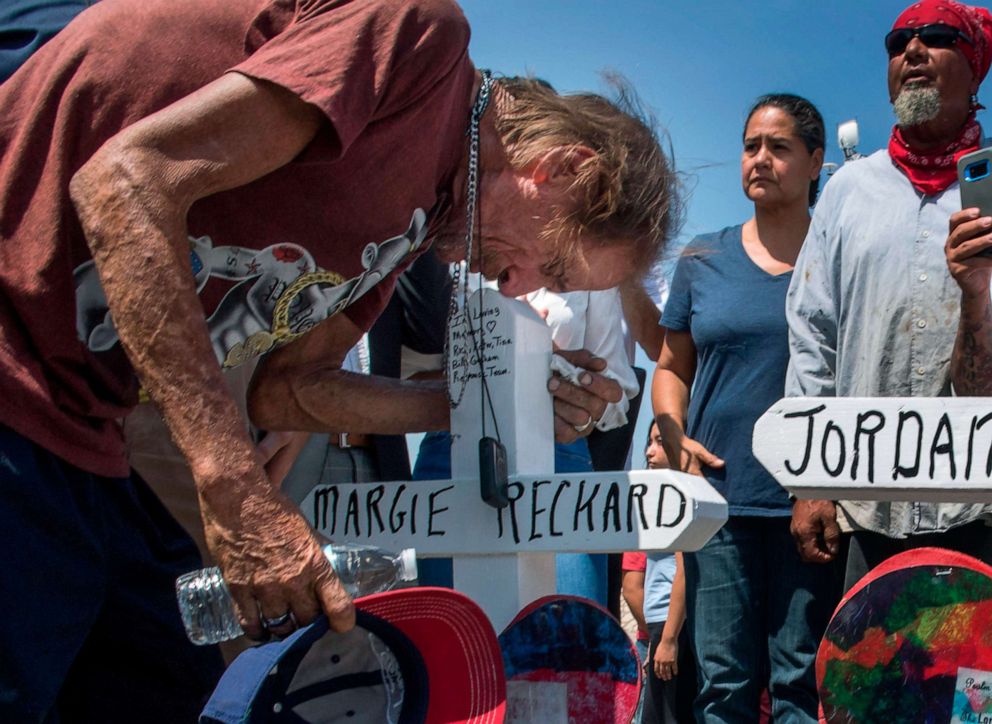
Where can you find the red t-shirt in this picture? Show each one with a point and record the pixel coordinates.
(393, 78)
(634, 561)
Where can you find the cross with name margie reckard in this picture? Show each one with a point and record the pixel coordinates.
(504, 558)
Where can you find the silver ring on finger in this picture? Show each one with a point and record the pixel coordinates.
(582, 428)
(278, 621)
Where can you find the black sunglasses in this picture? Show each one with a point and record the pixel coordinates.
(936, 35)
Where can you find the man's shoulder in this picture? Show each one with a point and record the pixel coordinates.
(859, 180)
(389, 21)
(428, 12)
(866, 169)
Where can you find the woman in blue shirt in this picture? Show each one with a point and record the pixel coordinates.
(756, 612)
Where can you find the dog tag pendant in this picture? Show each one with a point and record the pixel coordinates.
(493, 478)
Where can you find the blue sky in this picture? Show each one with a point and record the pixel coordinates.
(699, 65)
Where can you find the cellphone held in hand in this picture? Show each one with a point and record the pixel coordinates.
(493, 477)
(975, 177)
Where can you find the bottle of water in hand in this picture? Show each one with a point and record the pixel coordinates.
(207, 608)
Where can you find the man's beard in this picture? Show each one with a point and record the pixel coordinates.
(915, 106)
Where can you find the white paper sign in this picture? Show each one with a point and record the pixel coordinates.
(972, 697)
(889, 448)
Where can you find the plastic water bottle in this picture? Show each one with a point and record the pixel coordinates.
(207, 608)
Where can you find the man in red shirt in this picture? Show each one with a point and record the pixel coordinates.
(186, 184)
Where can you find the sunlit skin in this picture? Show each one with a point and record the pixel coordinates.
(945, 69)
(513, 247)
(776, 167)
(515, 209)
(655, 451)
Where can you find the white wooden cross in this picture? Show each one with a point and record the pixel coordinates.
(504, 559)
(936, 449)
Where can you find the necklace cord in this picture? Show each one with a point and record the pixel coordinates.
(472, 185)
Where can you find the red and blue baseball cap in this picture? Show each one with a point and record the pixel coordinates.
(415, 656)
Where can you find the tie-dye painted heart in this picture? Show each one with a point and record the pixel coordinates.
(568, 660)
(911, 642)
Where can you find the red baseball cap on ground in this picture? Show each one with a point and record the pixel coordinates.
(416, 655)
(460, 650)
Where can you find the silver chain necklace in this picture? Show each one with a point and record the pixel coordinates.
(471, 194)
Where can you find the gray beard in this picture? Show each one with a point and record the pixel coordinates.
(915, 106)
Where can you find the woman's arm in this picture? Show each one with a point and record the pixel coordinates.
(670, 399)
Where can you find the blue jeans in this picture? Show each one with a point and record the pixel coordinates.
(434, 463)
(642, 656)
(756, 613)
(90, 629)
(579, 574)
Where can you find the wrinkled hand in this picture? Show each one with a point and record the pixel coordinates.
(272, 561)
(666, 659)
(689, 456)
(814, 527)
(579, 407)
(278, 451)
(969, 234)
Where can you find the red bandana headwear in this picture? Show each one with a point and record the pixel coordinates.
(933, 171)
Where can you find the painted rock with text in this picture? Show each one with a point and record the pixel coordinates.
(911, 642)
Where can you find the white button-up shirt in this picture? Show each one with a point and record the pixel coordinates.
(592, 321)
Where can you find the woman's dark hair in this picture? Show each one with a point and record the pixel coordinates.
(651, 427)
(809, 124)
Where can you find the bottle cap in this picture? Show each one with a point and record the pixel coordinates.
(408, 564)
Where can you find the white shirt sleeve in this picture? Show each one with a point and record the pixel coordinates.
(592, 321)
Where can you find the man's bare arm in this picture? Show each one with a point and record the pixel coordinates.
(971, 359)
(301, 387)
(132, 198)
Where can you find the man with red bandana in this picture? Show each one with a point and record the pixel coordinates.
(884, 301)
